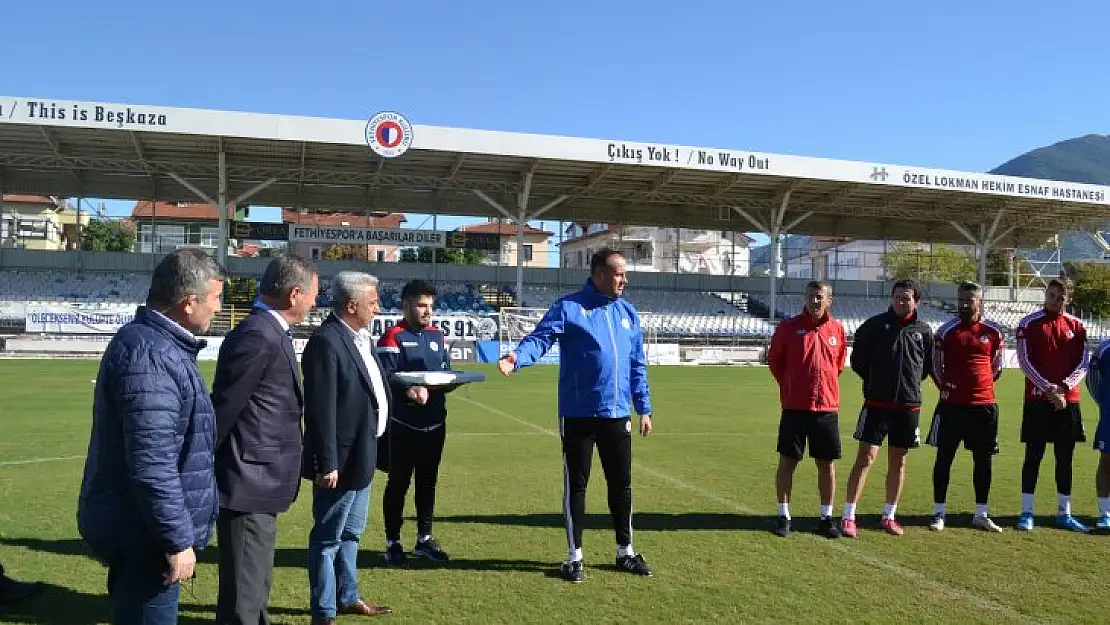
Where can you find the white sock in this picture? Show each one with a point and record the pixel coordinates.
(981, 510)
(425, 538)
(826, 511)
(1027, 503)
(1063, 504)
(575, 556)
(1104, 505)
(940, 509)
(390, 543)
(784, 510)
(627, 550)
(888, 511)
(850, 511)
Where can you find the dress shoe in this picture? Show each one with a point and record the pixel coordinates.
(362, 608)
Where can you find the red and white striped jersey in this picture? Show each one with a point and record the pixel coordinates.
(1052, 350)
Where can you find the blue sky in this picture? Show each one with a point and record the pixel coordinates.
(958, 85)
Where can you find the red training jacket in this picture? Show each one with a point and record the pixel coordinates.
(807, 357)
(967, 360)
(1051, 349)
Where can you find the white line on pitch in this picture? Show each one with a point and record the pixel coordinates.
(910, 574)
(16, 463)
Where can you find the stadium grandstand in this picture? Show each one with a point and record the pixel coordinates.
(683, 216)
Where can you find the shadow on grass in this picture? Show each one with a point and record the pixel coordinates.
(57, 605)
(293, 558)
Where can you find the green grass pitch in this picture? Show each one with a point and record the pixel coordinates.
(703, 499)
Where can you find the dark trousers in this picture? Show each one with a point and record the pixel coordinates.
(246, 547)
(613, 438)
(1031, 467)
(137, 590)
(980, 472)
(412, 451)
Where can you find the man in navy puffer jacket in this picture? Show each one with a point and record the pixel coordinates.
(148, 499)
(602, 378)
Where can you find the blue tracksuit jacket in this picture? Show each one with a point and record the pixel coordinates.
(602, 366)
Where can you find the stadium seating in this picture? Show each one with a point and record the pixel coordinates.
(86, 290)
(672, 313)
(853, 311)
(452, 298)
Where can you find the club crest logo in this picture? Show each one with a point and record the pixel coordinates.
(389, 134)
(832, 341)
(433, 346)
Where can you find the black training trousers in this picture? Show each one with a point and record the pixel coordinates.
(412, 451)
(614, 446)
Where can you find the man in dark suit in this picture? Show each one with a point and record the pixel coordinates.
(258, 401)
(347, 403)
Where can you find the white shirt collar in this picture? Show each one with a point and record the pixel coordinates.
(281, 320)
(159, 313)
(358, 335)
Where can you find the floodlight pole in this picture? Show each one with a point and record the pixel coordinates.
(774, 231)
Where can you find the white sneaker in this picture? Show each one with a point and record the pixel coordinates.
(985, 523)
(938, 523)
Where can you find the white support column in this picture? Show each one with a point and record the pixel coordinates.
(221, 207)
(774, 230)
(221, 202)
(521, 219)
(987, 239)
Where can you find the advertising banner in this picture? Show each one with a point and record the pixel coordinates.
(66, 319)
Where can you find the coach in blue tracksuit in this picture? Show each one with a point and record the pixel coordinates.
(602, 375)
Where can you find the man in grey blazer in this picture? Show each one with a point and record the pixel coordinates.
(347, 401)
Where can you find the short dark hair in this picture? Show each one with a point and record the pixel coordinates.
(1063, 285)
(970, 287)
(418, 288)
(286, 273)
(183, 272)
(908, 284)
(819, 284)
(601, 258)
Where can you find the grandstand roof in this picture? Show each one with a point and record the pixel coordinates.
(105, 150)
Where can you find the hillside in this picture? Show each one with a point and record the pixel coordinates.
(1082, 159)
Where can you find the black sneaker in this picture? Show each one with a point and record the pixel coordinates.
(431, 550)
(782, 527)
(828, 528)
(634, 564)
(395, 555)
(573, 571)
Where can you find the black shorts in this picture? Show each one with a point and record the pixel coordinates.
(974, 426)
(875, 424)
(1042, 423)
(822, 429)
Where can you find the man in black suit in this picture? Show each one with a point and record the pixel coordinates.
(258, 400)
(347, 401)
